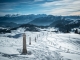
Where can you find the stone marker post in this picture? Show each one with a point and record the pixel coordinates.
(29, 40)
(35, 39)
(37, 36)
(43, 33)
(24, 44)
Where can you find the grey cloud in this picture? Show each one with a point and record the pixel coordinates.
(11, 1)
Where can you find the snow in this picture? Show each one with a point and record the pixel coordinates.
(8, 50)
(70, 56)
(48, 46)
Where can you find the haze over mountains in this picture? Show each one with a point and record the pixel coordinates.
(61, 22)
(20, 19)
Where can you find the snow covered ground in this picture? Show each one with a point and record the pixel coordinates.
(48, 46)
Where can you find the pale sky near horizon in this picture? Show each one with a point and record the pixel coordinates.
(53, 7)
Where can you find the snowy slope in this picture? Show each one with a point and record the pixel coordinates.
(48, 46)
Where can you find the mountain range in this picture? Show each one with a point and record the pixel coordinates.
(61, 22)
(20, 19)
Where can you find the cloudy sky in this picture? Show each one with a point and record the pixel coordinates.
(53, 7)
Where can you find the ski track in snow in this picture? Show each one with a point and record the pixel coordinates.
(48, 46)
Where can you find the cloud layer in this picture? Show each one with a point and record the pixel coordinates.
(54, 7)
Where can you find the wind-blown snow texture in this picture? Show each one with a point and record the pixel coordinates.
(48, 46)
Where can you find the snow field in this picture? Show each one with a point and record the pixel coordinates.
(48, 46)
